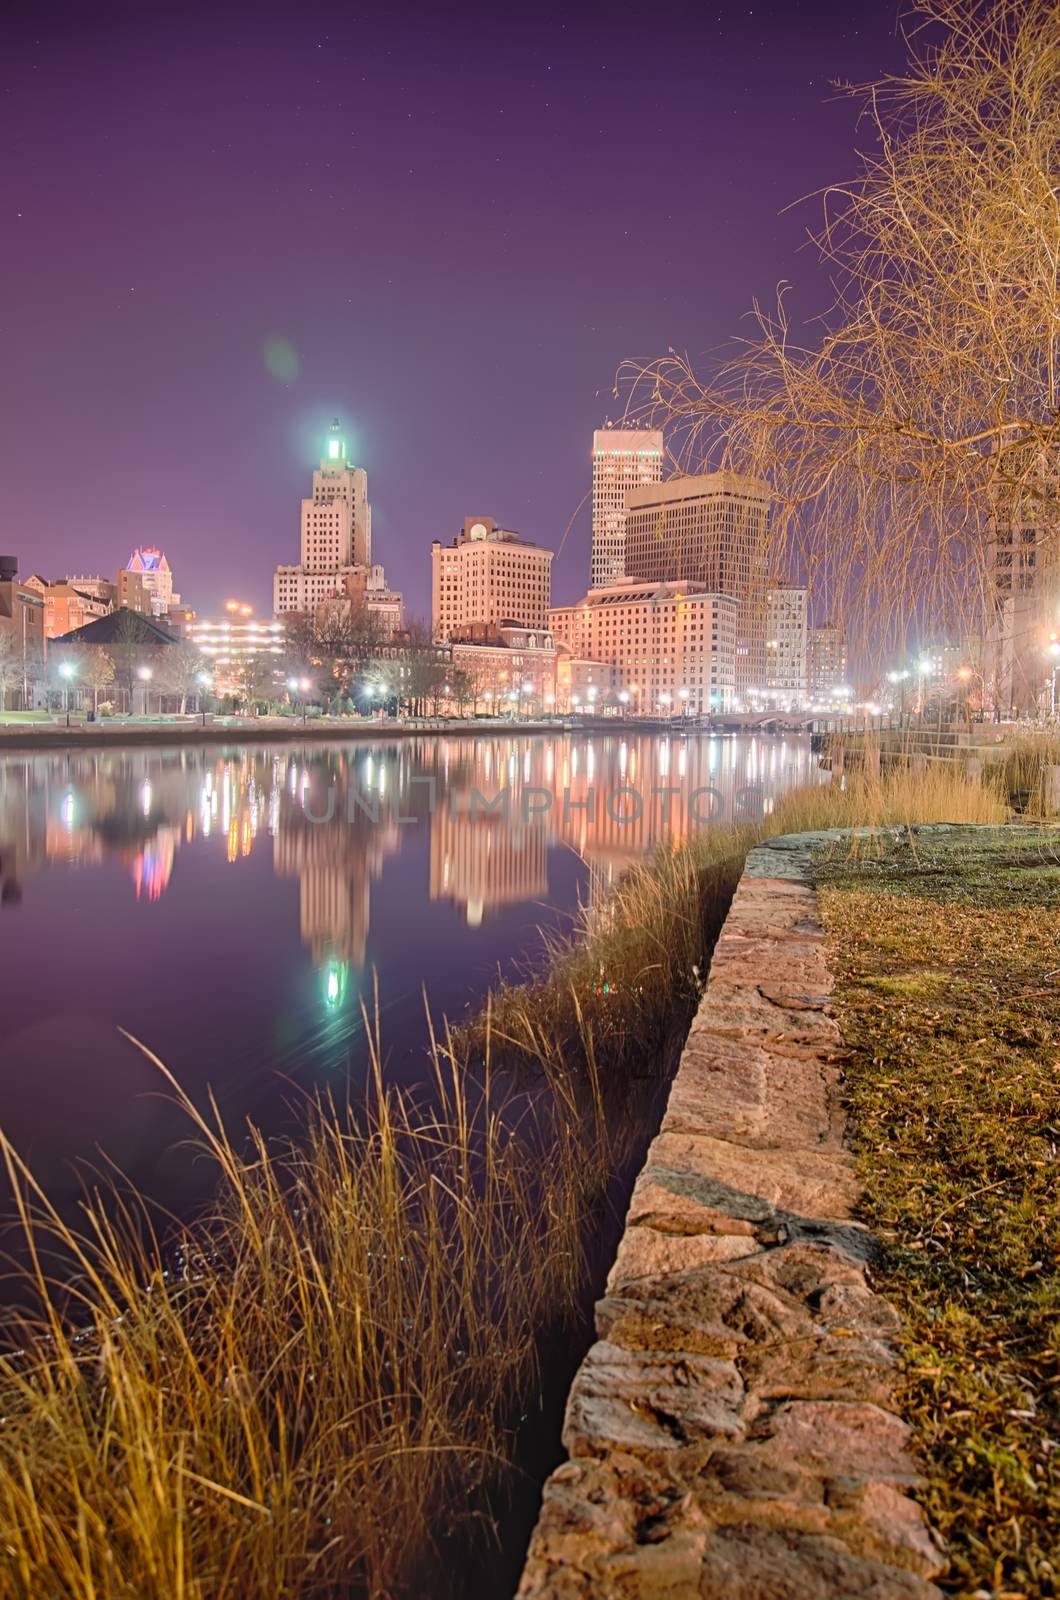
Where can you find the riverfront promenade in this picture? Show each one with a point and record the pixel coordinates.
(733, 1430)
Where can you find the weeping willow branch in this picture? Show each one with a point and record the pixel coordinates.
(926, 402)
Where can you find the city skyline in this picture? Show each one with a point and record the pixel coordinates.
(356, 269)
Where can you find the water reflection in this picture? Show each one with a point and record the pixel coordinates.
(494, 807)
(231, 907)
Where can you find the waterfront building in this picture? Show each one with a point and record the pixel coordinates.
(23, 642)
(787, 645)
(709, 529)
(335, 554)
(583, 684)
(623, 459)
(507, 668)
(145, 583)
(672, 646)
(490, 577)
(827, 660)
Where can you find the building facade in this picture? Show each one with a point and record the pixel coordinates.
(23, 644)
(827, 661)
(72, 602)
(488, 576)
(787, 645)
(145, 583)
(509, 669)
(623, 459)
(672, 646)
(335, 539)
(709, 529)
(1023, 589)
(236, 647)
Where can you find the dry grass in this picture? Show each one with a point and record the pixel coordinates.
(1020, 777)
(945, 959)
(317, 1379)
(321, 1372)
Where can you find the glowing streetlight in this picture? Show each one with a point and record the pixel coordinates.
(145, 675)
(67, 671)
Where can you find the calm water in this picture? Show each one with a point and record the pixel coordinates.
(230, 908)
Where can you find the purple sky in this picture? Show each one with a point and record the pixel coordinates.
(460, 220)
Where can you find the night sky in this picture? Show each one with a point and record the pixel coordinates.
(220, 226)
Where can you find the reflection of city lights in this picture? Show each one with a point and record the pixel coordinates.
(68, 809)
(145, 799)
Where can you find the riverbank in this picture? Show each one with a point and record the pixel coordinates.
(330, 1366)
(827, 1360)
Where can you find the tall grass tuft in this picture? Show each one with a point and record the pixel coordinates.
(294, 1396)
(1020, 776)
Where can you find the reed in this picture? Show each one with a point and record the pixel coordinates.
(301, 1389)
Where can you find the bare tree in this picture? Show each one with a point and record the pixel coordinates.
(927, 404)
(11, 666)
(178, 671)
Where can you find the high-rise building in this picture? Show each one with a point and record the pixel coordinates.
(623, 459)
(489, 576)
(827, 661)
(787, 644)
(145, 583)
(709, 529)
(1023, 562)
(336, 539)
(672, 646)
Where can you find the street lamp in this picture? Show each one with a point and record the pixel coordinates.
(145, 675)
(623, 695)
(204, 683)
(1053, 651)
(67, 671)
(900, 678)
(683, 696)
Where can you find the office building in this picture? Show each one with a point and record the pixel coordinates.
(22, 639)
(335, 554)
(71, 602)
(623, 459)
(827, 661)
(488, 576)
(787, 645)
(710, 529)
(672, 646)
(145, 583)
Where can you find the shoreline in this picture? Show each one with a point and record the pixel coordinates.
(273, 730)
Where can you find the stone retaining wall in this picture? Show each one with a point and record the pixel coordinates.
(732, 1434)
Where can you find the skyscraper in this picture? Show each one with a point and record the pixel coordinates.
(787, 644)
(710, 529)
(336, 539)
(623, 459)
(488, 577)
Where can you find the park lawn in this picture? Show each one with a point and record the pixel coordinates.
(946, 950)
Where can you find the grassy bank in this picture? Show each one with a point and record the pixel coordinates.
(302, 1391)
(948, 995)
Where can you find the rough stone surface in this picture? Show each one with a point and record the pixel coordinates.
(731, 1434)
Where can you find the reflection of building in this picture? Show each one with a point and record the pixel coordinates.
(488, 576)
(710, 529)
(827, 660)
(335, 542)
(671, 645)
(787, 668)
(487, 860)
(623, 459)
(145, 583)
(334, 860)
